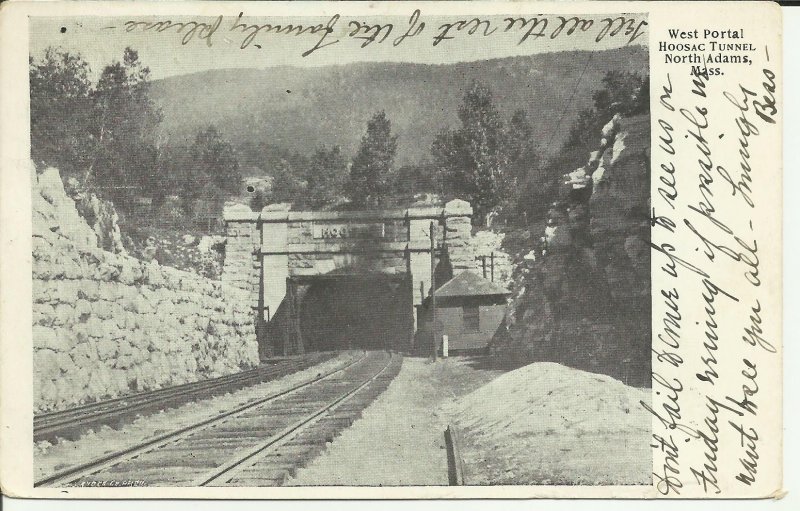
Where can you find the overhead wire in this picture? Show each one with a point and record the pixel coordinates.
(571, 97)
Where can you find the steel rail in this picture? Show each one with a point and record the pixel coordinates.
(227, 471)
(76, 472)
(47, 426)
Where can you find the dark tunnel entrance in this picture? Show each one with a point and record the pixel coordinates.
(372, 311)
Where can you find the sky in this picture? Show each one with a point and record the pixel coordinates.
(101, 40)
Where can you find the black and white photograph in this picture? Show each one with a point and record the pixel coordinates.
(431, 251)
(310, 252)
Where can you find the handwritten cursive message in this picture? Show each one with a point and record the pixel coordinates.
(249, 32)
(711, 336)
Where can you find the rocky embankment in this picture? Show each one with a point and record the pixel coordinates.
(583, 299)
(99, 214)
(106, 324)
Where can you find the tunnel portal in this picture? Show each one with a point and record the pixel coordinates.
(327, 280)
(356, 312)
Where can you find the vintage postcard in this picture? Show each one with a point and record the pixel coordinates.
(391, 250)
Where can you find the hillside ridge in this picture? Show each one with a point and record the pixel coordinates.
(294, 109)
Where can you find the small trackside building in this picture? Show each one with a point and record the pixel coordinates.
(469, 310)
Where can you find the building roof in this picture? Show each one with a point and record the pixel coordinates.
(467, 284)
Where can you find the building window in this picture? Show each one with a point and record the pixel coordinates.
(472, 318)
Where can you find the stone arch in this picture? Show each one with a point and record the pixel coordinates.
(270, 251)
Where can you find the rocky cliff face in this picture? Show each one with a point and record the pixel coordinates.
(583, 298)
(99, 214)
(107, 324)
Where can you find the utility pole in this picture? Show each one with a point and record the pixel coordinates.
(264, 343)
(264, 347)
(433, 290)
(482, 259)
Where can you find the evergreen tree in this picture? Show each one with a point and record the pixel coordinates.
(326, 177)
(620, 94)
(522, 154)
(60, 111)
(474, 158)
(370, 173)
(413, 179)
(215, 162)
(124, 117)
(286, 185)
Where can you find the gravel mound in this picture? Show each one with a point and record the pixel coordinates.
(549, 424)
(544, 397)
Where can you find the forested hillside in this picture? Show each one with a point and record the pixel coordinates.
(169, 152)
(279, 110)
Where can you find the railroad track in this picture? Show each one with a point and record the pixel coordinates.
(70, 423)
(261, 443)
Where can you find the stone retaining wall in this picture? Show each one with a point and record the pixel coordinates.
(108, 324)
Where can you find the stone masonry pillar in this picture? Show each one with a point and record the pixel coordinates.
(241, 266)
(419, 258)
(274, 237)
(458, 219)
